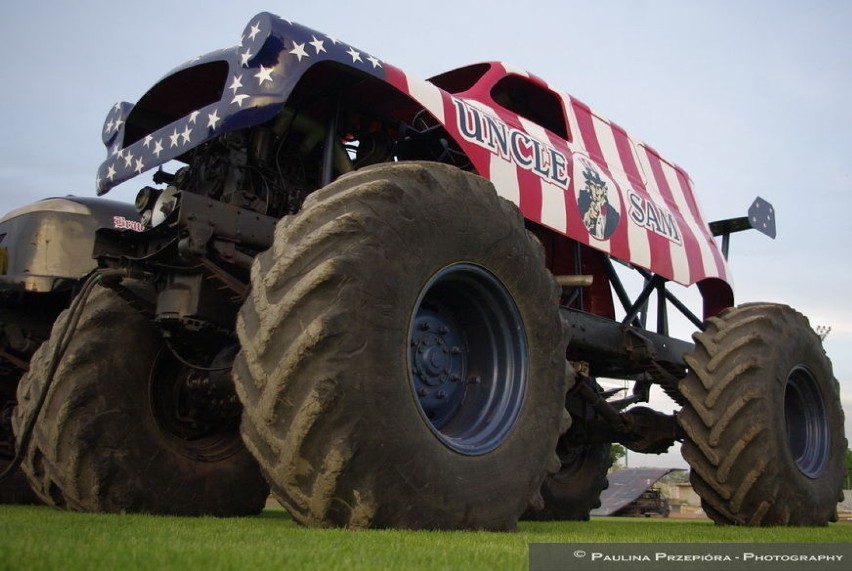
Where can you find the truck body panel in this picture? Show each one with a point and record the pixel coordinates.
(47, 245)
(567, 168)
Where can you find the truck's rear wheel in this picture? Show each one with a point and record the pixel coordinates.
(402, 355)
(106, 439)
(763, 421)
(575, 490)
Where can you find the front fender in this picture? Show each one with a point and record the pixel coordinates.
(220, 92)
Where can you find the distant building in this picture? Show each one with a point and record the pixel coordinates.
(680, 493)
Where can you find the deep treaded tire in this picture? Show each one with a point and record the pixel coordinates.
(402, 355)
(98, 447)
(763, 421)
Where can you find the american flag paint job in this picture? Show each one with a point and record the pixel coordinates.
(597, 185)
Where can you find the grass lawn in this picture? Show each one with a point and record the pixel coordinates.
(35, 538)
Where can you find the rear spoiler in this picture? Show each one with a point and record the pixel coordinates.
(761, 217)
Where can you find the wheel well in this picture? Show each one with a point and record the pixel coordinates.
(567, 257)
(717, 296)
(375, 121)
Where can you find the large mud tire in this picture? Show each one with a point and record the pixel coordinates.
(763, 420)
(99, 447)
(362, 313)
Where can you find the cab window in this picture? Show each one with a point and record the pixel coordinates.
(531, 101)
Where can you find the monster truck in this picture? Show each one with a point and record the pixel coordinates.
(45, 252)
(408, 290)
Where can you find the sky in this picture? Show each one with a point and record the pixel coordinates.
(750, 97)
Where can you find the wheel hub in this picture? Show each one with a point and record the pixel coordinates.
(468, 358)
(196, 409)
(808, 433)
(437, 364)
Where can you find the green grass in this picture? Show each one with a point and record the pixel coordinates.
(35, 538)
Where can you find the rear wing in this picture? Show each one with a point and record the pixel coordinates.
(761, 217)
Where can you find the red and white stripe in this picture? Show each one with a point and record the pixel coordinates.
(628, 164)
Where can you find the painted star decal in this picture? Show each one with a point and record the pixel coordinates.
(356, 56)
(139, 166)
(174, 138)
(255, 30)
(158, 147)
(238, 99)
(128, 160)
(147, 142)
(376, 63)
(193, 116)
(265, 74)
(237, 83)
(318, 44)
(245, 57)
(186, 133)
(212, 119)
(298, 51)
(110, 172)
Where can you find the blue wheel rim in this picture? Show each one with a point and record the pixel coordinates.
(468, 358)
(808, 433)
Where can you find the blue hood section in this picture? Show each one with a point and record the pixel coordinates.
(216, 93)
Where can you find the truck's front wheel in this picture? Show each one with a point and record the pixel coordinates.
(763, 420)
(113, 434)
(402, 355)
